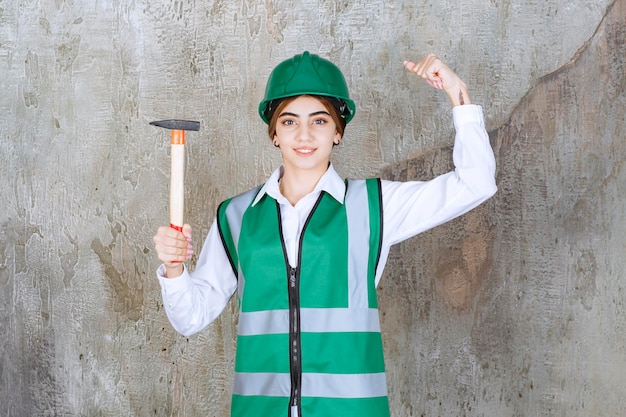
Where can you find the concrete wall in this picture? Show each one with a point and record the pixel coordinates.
(516, 309)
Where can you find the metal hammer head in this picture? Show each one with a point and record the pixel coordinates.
(176, 124)
(178, 128)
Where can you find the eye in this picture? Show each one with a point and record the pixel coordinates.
(320, 121)
(288, 122)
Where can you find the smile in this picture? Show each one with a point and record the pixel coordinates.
(304, 150)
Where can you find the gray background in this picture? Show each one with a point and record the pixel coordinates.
(515, 309)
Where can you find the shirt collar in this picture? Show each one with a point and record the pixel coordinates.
(330, 182)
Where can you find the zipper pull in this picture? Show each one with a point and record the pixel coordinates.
(292, 277)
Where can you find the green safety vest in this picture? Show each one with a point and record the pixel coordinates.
(308, 342)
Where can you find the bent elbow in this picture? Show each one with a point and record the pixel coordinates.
(483, 193)
(184, 326)
(184, 329)
(491, 191)
(488, 191)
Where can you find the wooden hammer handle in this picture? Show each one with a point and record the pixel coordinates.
(177, 177)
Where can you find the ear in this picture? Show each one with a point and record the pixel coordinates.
(337, 139)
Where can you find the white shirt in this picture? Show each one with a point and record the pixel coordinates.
(195, 299)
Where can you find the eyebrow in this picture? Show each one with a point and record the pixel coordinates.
(310, 115)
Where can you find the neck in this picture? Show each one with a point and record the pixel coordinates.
(296, 184)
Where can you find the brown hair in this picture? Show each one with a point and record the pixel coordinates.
(329, 103)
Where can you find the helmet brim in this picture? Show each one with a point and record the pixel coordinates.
(266, 113)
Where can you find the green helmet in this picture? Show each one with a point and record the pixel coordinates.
(307, 74)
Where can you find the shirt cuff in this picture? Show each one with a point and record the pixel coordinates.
(468, 113)
(176, 284)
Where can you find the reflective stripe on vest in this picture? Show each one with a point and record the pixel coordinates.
(311, 320)
(313, 385)
(339, 343)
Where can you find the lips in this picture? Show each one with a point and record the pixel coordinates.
(304, 151)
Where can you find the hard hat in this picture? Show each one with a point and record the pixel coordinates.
(306, 74)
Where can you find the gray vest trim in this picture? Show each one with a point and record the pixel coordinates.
(313, 385)
(234, 213)
(357, 209)
(235, 210)
(313, 320)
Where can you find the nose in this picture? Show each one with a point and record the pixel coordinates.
(304, 133)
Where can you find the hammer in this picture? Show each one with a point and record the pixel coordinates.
(177, 172)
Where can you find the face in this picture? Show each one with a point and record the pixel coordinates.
(306, 133)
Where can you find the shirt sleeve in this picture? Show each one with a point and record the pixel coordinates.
(412, 207)
(195, 299)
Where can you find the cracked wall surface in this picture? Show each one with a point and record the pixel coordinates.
(515, 309)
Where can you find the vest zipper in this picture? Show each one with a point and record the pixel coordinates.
(294, 342)
(295, 353)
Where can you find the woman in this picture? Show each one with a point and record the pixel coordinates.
(305, 251)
